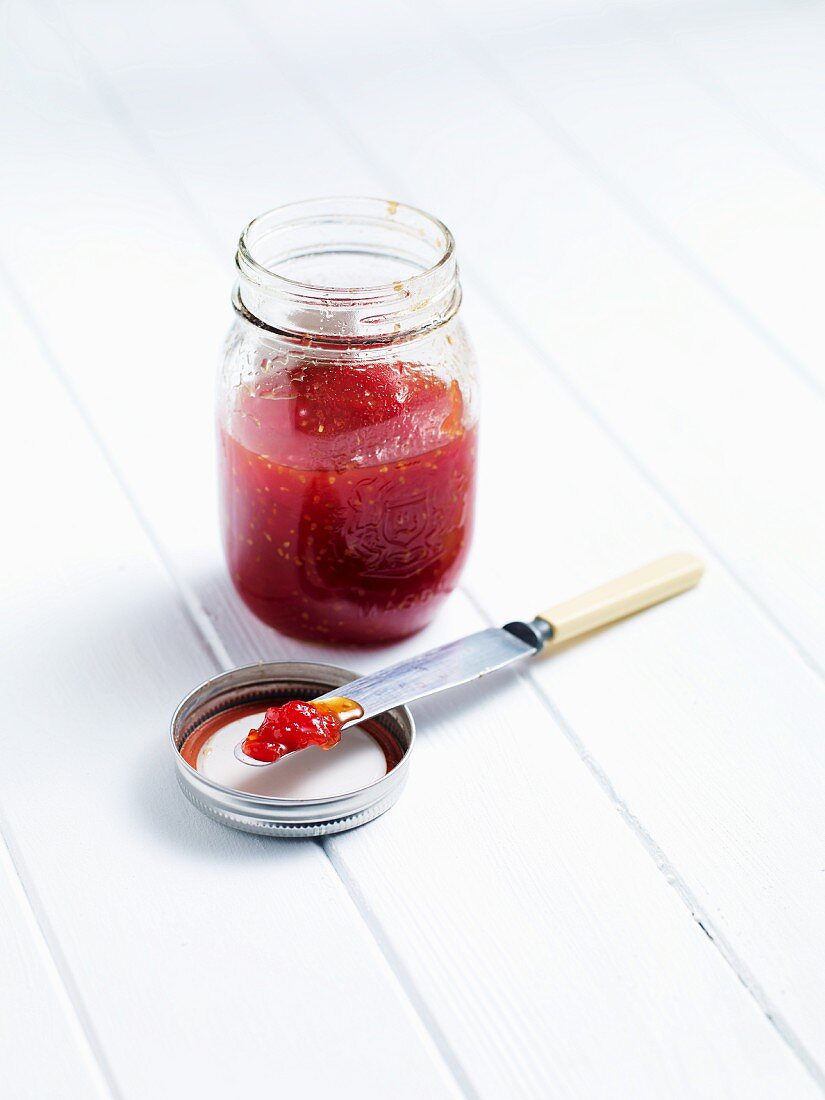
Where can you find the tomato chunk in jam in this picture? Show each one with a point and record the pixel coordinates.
(348, 497)
(292, 726)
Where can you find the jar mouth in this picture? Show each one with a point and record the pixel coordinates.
(293, 226)
(346, 267)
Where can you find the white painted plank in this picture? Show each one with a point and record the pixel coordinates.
(626, 965)
(42, 1044)
(208, 962)
(686, 165)
(706, 723)
(763, 62)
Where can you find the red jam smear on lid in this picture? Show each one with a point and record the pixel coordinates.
(297, 725)
(348, 498)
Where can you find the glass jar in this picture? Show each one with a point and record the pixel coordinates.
(347, 416)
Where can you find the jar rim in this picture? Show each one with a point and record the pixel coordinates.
(302, 269)
(250, 267)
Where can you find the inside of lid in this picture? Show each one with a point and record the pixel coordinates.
(365, 754)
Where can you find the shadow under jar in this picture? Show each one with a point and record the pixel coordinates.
(347, 415)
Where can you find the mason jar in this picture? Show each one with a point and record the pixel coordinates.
(347, 417)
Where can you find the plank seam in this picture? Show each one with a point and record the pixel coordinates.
(194, 613)
(657, 230)
(671, 875)
(403, 977)
(751, 118)
(638, 465)
(61, 969)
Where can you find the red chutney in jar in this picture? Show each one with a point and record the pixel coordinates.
(348, 497)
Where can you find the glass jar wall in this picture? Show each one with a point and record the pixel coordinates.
(347, 418)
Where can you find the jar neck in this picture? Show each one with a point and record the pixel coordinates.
(347, 270)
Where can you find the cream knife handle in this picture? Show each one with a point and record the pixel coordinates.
(625, 595)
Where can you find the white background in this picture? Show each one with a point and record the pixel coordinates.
(607, 875)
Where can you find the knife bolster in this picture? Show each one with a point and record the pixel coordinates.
(536, 633)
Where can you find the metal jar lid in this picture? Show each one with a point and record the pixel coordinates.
(267, 684)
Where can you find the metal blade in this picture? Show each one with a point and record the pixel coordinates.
(436, 670)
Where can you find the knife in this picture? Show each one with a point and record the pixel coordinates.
(479, 654)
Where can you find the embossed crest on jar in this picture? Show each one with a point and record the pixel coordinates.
(347, 418)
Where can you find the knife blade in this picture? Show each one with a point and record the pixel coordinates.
(435, 670)
(478, 654)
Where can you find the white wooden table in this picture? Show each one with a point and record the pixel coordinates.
(607, 875)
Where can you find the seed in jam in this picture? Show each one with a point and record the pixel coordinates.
(297, 725)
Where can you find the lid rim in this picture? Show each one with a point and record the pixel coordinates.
(265, 813)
